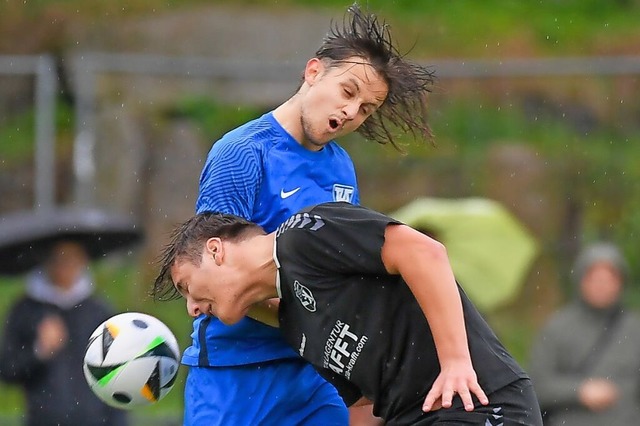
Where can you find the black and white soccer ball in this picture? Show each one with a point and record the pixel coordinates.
(131, 360)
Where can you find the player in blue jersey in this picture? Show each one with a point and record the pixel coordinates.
(266, 170)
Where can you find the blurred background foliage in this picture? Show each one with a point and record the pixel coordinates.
(583, 130)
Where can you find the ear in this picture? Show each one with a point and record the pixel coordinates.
(214, 249)
(313, 70)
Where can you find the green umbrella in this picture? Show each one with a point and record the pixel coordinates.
(490, 251)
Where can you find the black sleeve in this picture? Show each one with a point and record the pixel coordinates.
(349, 392)
(343, 237)
(18, 362)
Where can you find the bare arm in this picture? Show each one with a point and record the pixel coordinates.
(425, 267)
(361, 402)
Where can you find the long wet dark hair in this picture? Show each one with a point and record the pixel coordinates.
(361, 34)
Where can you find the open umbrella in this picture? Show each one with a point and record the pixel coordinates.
(26, 236)
(490, 251)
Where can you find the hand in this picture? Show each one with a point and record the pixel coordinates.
(598, 394)
(52, 336)
(455, 378)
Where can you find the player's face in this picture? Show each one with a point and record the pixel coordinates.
(207, 289)
(339, 99)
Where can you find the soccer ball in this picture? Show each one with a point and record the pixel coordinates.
(131, 360)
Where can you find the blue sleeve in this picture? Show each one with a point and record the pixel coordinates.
(348, 162)
(230, 179)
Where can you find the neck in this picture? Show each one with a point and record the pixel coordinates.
(261, 269)
(289, 116)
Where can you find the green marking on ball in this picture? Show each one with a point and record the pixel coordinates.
(106, 379)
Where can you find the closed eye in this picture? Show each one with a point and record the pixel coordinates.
(181, 288)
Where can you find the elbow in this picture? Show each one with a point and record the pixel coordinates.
(434, 250)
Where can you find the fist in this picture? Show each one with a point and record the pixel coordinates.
(51, 337)
(598, 394)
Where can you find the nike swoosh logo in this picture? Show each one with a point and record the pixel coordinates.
(287, 194)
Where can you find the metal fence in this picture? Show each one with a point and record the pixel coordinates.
(46, 85)
(87, 66)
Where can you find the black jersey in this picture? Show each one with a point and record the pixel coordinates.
(361, 327)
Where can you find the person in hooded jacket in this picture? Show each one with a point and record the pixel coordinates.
(45, 337)
(585, 363)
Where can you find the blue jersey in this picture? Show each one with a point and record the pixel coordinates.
(259, 172)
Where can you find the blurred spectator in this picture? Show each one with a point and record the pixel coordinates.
(586, 361)
(45, 337)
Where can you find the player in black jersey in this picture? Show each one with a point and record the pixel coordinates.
(370, 302)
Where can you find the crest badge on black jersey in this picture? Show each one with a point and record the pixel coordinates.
(305, 296)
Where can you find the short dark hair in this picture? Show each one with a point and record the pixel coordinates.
(187, 243)
(363, 35)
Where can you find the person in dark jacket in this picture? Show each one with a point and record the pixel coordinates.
(585, 363)
(45, 339)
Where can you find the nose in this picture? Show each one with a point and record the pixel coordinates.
(351, 110)
(193, 309)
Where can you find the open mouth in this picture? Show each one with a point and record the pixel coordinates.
(334, 124)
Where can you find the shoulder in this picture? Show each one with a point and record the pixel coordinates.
(22, 301)
(98, 307)
(246, 147)
(338, 151)
(237, 145)
(27, 302)
(633, 318)
(564, 318)
(337, 218)
(255, 135)
(348, 212)
(25, 310)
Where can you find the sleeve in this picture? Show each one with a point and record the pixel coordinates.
(555, 388)
(18, 362)
(230, 179)
(356, 198)
(349, 163)
(349, 392)
(341, 237)
(103, 310)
